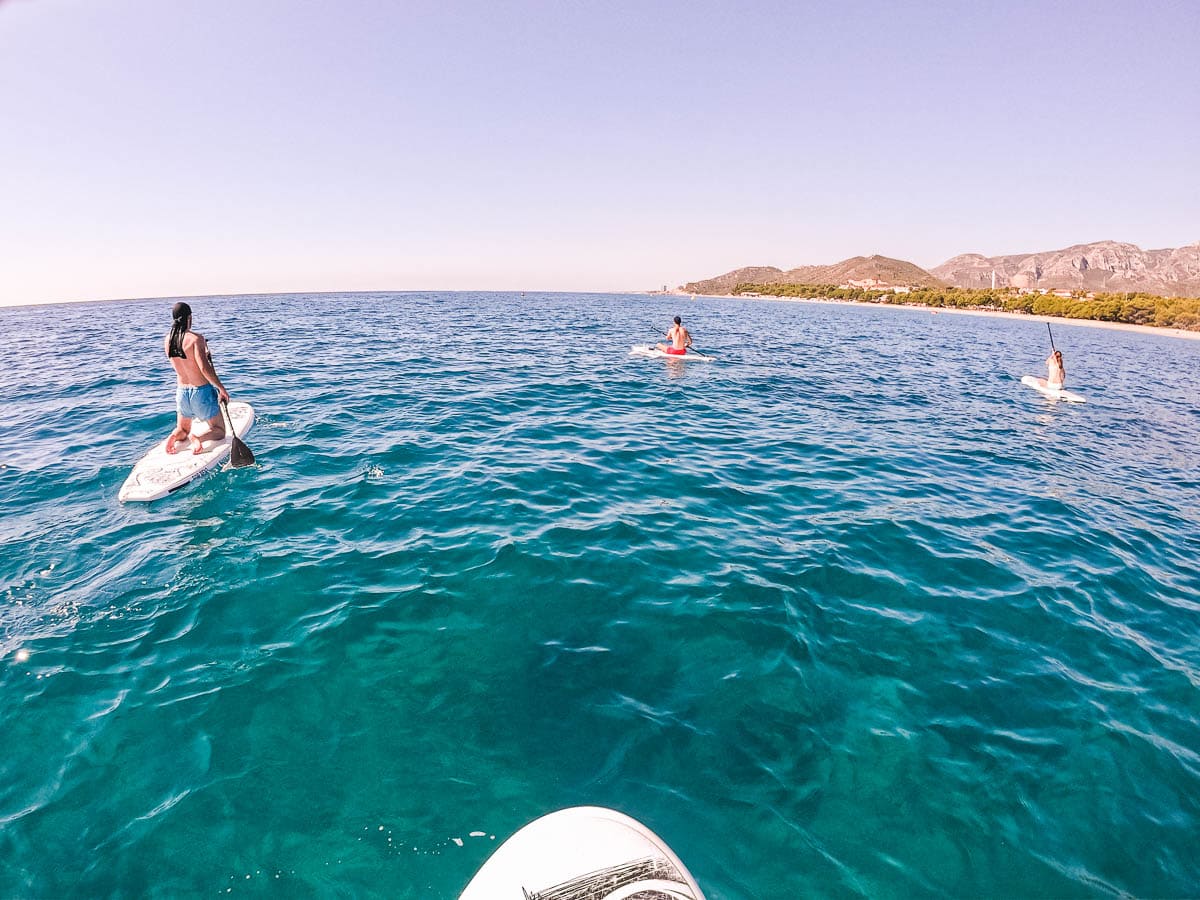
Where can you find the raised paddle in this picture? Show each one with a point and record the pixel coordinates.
(1051, 333)
(239, 453)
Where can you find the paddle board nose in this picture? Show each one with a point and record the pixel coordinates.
(583, 853)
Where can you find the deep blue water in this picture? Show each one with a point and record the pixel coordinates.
(848, 612)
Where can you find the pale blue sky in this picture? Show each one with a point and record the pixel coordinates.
(172, 147)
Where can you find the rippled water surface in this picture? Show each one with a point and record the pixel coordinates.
(847, 612)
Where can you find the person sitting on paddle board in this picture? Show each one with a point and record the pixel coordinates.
(198, 390)
(680, 340)
(1056, 375)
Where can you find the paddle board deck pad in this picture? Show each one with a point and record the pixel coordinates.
(645, 350)
(1039, 385)
(158, 473)
(583, 853)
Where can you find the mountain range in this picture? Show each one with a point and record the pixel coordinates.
(859, 268)
(1100, 266)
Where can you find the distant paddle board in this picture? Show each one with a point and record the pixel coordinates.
(1039, 385)
(158, 473)
(583, 853)
(645, 350)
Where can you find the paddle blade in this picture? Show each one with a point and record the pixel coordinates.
(239, 454)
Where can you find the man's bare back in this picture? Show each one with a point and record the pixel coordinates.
(188, 372)
(679, 337)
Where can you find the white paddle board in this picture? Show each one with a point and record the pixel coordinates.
(158, 473)
(646, 350)
(1039, 385)
(583, 853)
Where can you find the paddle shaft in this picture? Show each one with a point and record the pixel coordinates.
(1051, 333)
(239, 453)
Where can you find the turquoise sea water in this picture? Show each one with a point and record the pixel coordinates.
(848, 612)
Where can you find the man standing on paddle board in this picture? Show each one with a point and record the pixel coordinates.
(198, 392)
(680, 340)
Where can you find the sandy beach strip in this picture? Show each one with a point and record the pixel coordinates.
(994, 313)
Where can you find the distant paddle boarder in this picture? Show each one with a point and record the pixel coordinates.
(680, 340)
(1056, 374)
(198, 391)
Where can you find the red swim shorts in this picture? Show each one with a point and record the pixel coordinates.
(673, 352)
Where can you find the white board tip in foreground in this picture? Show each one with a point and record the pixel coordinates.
(583, 853)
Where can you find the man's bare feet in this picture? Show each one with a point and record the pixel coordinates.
(173, 442)
(198, 444)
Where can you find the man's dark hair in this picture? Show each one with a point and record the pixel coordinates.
(181, 315)
(677, 322)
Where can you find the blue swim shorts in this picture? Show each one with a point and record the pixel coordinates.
(197, 402)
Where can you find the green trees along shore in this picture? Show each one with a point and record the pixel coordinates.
(1134, 309)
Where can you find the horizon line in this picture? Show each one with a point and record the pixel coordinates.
(150, 298)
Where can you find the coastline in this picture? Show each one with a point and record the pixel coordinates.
(992, 313)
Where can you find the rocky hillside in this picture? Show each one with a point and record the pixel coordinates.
(858, 268)
(1102, 266)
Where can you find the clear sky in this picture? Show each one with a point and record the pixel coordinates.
(178, 147)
